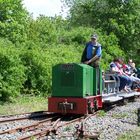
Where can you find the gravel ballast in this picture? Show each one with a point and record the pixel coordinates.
(110, 125)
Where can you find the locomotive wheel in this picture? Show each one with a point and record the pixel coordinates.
(91, 110)
(95, 105)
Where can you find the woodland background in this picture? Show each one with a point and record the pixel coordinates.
(30, 47)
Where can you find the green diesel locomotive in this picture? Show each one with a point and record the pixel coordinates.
(76, 88)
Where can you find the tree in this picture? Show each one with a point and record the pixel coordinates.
(13, 20)
(45, 31)
(122, 17)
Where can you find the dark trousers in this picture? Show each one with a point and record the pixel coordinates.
(124, 80)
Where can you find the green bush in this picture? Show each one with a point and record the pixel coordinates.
(76, 35)
(110, 49)
(39, 62)
(11, 71)
(26, 68)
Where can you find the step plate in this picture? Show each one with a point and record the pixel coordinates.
(111, 99)
(126, 95)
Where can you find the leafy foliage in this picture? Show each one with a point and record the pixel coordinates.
(121, 17)
(13, 20)
(42, 30)
(39, 62)
(29, 48)
(11, 71)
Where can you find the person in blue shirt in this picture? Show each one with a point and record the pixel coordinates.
(91, 56)
(92, 52)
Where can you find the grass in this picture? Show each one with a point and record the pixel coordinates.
(24, 104)
(120, 115)
(101, 113)
(135, 135)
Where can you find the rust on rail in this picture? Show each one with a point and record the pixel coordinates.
(42, 133)
(31, 116)
(29, 127)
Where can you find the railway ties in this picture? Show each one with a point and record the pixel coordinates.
(81, 131)
(12, 125)
(49, 127)
(29, 127)
(42, 132)
(24, 116)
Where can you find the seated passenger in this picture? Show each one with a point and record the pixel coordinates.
(130, 73)
(131, 67)
(116, 68)
(138, 72)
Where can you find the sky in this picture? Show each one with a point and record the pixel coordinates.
(44, 7)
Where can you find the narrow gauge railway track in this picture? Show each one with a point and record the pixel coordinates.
(49, 126)
(41, 131)
(25, 113)
(24, 116)
(54, 126)
(29, 127)
(81, 132)
(24, 122)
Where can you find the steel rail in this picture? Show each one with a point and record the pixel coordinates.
(47, 131)
(81, 131)
(72, 121)
(35, 112)
(28, 127)
(40, 133)
(24, 117)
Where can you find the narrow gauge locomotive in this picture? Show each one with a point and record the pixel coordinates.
(77, 89)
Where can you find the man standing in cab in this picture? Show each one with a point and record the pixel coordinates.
(92, 52)
(91, 56)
